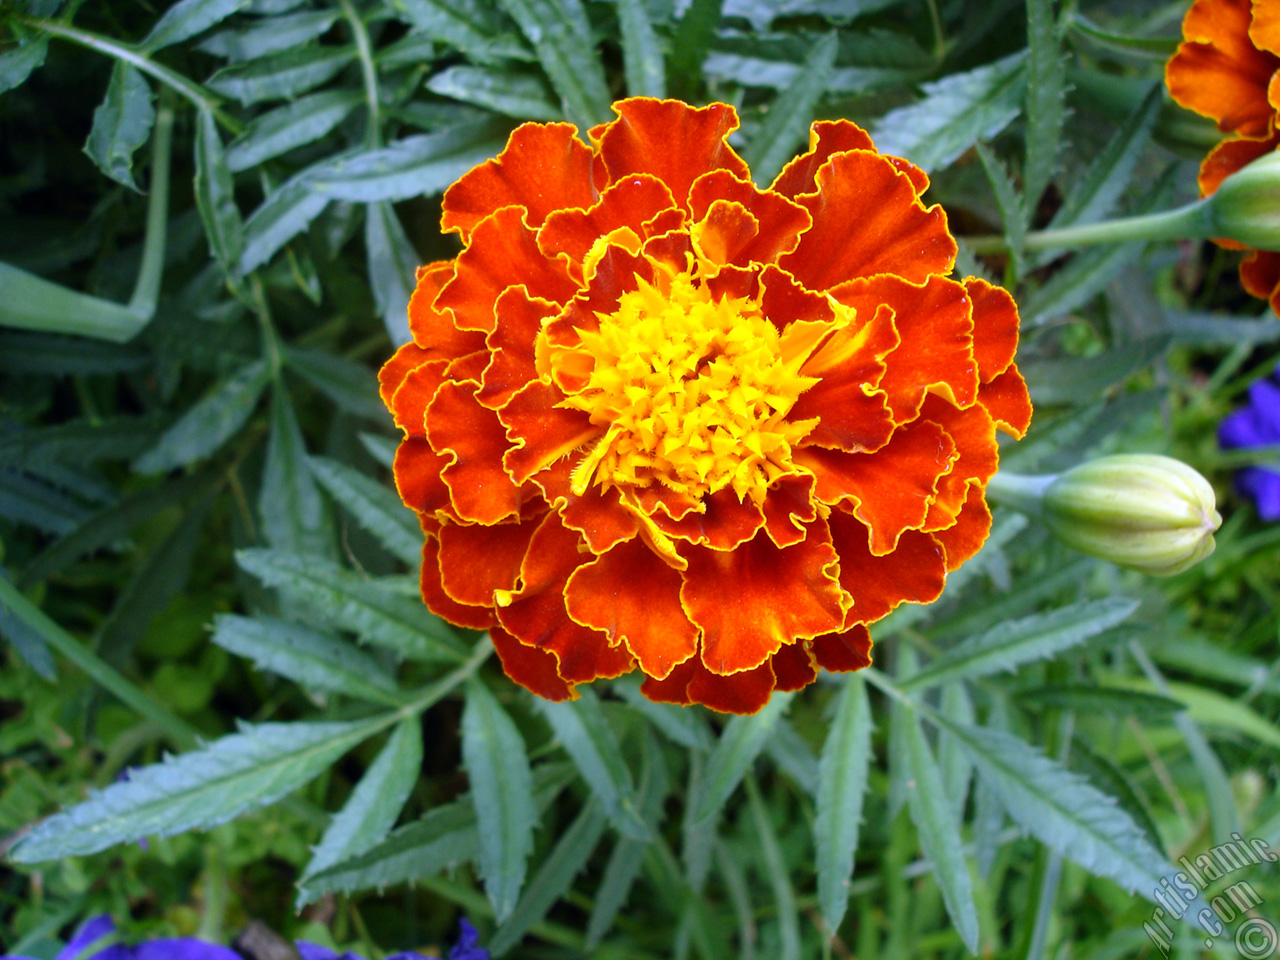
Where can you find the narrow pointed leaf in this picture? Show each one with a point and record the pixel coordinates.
(285, 213)
(352, 386)
(215, 193)
(121, 124)
(786, 122)
(19, 63)
(469, 25)
(187, 18)
(293, 125)
(392, 265)
(316, 660)
(281, 76)
(294, 516)
(375, 506)
(199, 789)
(842, 785)
(502, 791)
(740, 743)
(1046, 107)
(641, 52)
(270, 36)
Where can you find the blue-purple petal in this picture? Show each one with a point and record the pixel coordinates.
(468, 945)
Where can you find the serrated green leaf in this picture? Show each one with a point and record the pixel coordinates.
(199, 789)
(641, 52)
(691, 38)
(18, 64)
(392, 268)
(794, 757)
(1114, 782)
(215, 194)
(1013, 209)
(1011, 644)
(375, 506)
(586, 736)
(209, 423)
(842, 786)
(33, 303)
(1214, 709)
(1071, 379)
(1090, 700)
(285, 213)
(954, 114)
(270, 36)
(953, 762)
(26, 641)
(382, 449)
(187, 18)
(784, 896)
(1062, 810)
(681, 725)
(939, 829)
(281, 76)
(502, 790)
(1046, 108)
(28, 501)
(352, 602)
(513, 91)
(787, 119)
(416, 166)
(553, 879)
(561, 37)
(371, 810)
(740, 743)
(628, 855)
(468, 25)
(316, 660)
(294, 516)
(293, 125)
(121, 124)
(442, 839)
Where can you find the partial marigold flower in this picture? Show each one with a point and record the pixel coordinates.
(656, 417)
(1228, 69)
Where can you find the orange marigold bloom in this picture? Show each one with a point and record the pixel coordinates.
(1228, 69)
(657, 417)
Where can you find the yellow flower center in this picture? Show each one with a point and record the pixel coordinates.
(694, 393)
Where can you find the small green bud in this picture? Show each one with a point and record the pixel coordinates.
(1147, 512)
(1246, 206)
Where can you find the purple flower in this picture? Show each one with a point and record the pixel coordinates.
(1257, 425)
(467, 948)
(182, 948)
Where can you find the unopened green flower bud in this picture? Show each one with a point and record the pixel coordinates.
(1246, 206)
(1143, 511)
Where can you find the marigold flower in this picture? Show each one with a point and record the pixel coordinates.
(657, 417)
(1226, 69)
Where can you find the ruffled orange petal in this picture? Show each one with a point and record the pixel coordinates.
(977, 456)
(519, 319)
(416, 391)
(935, 326)
(472, 439)
(673, 688)
(789, 508)
(868, 220)
(393, 372)
(631, 202)
(853, 415)
(793, 667)
(966, 537)
(826, 137)
(786, 302)
(995, 327)
(503, 253)
(533, 669)
(1225, 159)
(536, 614)
(751, 600)
(727, 229)
(915, 571)
(544, 167)
(1264, 27)
(433, 329)
(1008, 402)
(742, 693)
(781, 221)
(892, 487)
(476, 560)
(725, 522)
(541, 431)
(417, 472)
(1260, 273)
(597, 514)
(845, 651)
(438, 600)
(634, 597)
(671, 140)
(1218, 72)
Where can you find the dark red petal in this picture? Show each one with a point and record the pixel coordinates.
(745, 692)
(867, 220)
(974, 434)
(541, 431)
(751, 600)
(915, 571)
(473, 441)
(394, 371)
(511, 363)
(439, 602)
(597, 514)
(725, 522)
(673, 141)
(966, 537)
(789, 508)
(417, 473)
(1225, 159)
(533, 669)
(675, 687)
(544, 167)
(630, 202)
(843, 652)
(634, 597)
(416, 391)
(503, 253)
(794, 667)
(433, 329)
(476, 560)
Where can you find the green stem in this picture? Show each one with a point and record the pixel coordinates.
(127, 53)
(115, 683)
(365, 51)
(147, 290)
(1016, 490)
(1191, 221)
(442, 687)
